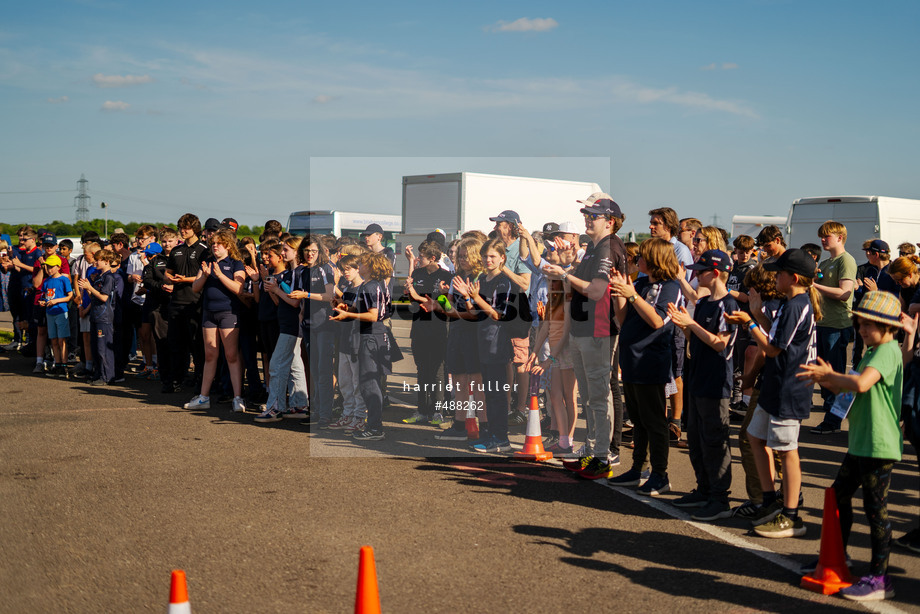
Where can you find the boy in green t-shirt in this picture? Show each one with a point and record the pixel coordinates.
(836, 283)
(875, 440)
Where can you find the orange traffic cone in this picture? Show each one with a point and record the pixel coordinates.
(367, 600)
(472, 422)
(178, 594)
(533, 442)
(831, 574)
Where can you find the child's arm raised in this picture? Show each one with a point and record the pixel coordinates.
(822, 373)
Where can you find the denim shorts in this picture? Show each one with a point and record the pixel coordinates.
(58, 326)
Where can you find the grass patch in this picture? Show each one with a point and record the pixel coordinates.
(6, 336)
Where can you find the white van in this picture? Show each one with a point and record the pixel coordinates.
(751, 225)
(893, 220)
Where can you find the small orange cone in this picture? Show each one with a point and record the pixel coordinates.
(367, 600)
(178, 594)
(831, 574)
(533, 442)
(472, 422)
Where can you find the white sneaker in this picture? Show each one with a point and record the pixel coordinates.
(239, 404)
(11, 347)
(199, 402)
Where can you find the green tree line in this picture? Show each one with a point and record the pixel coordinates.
(65, 229)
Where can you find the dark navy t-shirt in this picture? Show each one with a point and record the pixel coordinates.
(347, 330)
(429, 285)
(494, 342)
(288, 316)
(793, 332)
(314, 279)
(28, 258)
(592, 318)
(645, 353)
(373, 294)
(268, 311)
(711, 372)
(217, 297)
(104, 312)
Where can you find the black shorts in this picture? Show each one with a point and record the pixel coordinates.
(219, 319)
(37, 316)
(463, 350)
(132, 314)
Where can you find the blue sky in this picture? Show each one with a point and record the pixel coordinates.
(713, 108)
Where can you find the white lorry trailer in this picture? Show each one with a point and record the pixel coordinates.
(751, 225)
(894, 220)
(343, 223)
(457, 202)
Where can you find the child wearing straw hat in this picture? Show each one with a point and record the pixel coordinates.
(875, 439)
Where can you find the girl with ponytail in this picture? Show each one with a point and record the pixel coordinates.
(783, 401)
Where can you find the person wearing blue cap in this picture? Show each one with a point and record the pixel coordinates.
(711, 338)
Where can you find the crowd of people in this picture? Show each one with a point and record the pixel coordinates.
(657, 344)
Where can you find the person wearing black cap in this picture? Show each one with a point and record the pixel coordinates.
(373, 240)
(711, 375)
(507, 227)
(230, 224)
(592, 335)
(872, 275)
(211, 226)
(24, 259)
(783, 401)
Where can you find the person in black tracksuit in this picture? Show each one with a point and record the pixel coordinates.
(156, 303)
(429, 329)
(184, 333)
(377, 350)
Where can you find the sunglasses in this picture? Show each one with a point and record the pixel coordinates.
(592, 216)
(698, 240)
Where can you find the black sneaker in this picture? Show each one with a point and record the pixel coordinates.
(825, 429)
(170, 387)
(748, 509)
(713, 510)
(910, 540)
(368, 435)
(452, 434)
(631, 478)
(655, 485)
(692, 499)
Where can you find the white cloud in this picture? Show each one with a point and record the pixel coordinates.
(249, 85)
(60, 100)
(115, 105)
(101, 80)
(524, 24)
(723, 66)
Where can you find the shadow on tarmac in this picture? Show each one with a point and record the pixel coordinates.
(667, 563)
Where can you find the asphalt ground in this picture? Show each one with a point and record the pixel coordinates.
(104, 491)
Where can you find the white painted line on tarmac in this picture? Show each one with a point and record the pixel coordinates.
(880, 607)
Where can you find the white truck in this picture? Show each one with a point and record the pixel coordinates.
(342, 223)
(893, 220)
(457, 202)
(751, 225)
